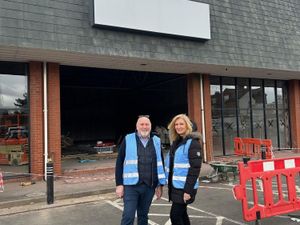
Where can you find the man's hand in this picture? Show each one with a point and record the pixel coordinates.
(120, 191)
(159, 192)
(186, 197)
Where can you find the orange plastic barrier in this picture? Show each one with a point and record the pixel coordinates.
(278, 179)
(252, 147)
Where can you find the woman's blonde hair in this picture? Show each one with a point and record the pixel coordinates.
(172, 132)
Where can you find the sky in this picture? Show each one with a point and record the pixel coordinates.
(11, 88)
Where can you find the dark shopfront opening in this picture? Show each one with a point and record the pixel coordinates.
(103, 104)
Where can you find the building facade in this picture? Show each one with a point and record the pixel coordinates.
(59, 72)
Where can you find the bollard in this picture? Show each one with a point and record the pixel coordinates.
(50, 181)
(246, 159)
(257, 221)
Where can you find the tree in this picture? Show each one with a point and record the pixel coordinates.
(21, 102)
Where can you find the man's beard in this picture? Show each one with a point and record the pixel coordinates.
(144, 133)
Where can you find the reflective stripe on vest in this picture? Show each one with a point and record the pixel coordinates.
(130, 168)
(181, 166)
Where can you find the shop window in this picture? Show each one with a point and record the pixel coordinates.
(14, 132)
(247, 107)
(229, 113)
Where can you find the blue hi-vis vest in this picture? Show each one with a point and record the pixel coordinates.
(130, 168)
(181, 166)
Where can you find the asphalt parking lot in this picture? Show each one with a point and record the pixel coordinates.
(214, 205)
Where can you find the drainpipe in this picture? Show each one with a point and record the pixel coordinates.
(45, 109)
(203, 118)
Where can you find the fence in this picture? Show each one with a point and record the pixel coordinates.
(253, 147)
(276, 177)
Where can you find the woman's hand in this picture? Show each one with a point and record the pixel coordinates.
(186, 197)
(158, 192)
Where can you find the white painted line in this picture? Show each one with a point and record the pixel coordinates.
(212, 214)
(152, 223)
(219, 220)
(168, 222)
(203, 217)
(118, 200)
(191, 216)
(121, 208)
(159, 204)
(115, 205)
(218, 188)
(158, 214)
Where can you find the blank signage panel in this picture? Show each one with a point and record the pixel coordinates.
(174, 17)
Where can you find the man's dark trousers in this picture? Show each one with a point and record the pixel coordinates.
(137, 197)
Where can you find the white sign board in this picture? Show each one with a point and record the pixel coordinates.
(172, 17)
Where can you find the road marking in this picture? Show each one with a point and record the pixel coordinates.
(121, 208)
(218, 188)
(219, 220)
(115, 205)
(191, 216)
(156, 204)
(159, 204)
(118, 200)
(212, 214)
(168, 222)
(159, 214)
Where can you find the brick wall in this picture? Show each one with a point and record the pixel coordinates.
(208, 118)
(36, 119)
(194, 108)
(54, 128)
(294, 98)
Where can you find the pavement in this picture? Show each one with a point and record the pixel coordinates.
(80, 183)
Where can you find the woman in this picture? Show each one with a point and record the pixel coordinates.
(183, 165)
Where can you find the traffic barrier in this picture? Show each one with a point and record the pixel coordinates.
(279, 174)
(253, 147)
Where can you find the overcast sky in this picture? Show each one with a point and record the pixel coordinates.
(11, 88)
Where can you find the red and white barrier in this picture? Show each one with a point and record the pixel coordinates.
(273, 174)
(252, 147)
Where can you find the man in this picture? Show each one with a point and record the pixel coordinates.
(139, 172)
